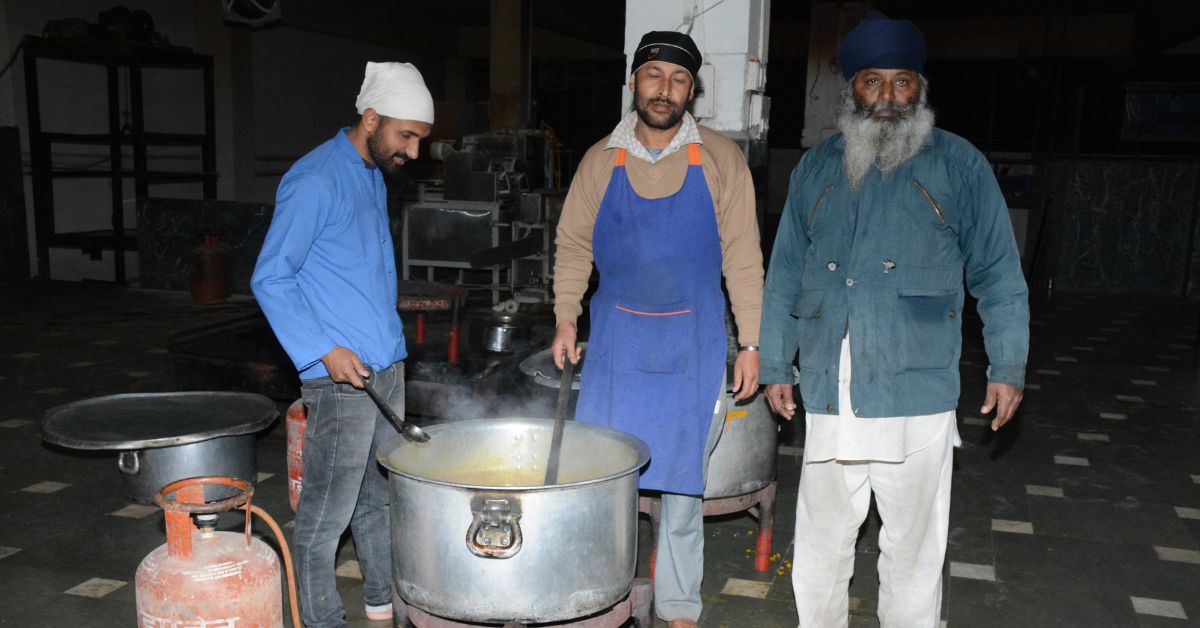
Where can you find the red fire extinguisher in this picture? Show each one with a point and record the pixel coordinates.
(209, 578)
(208, 269)
(297, 421)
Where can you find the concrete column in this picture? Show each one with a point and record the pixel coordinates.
(510, 60)
(733, 39)
(830, 21)
(232, 51)
(456, 79)
(8, 107)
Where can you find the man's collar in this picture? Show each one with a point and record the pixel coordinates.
(347, 149)
(625, 136)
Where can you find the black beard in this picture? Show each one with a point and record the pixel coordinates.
(643, 112)
(379, 157)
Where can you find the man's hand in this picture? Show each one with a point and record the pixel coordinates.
(1004, 398)
(745, 375)
(564, 344)
(344, 366)
(781, 400)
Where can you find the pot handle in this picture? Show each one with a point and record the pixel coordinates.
(129, 462)
(495, 530)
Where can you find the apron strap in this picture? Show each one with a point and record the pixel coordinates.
(620, 162)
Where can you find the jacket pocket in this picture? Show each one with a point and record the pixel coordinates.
(653, 339)
(928, 333)
(812, 331)
(812, 213)
(808, 305)
(933, 203)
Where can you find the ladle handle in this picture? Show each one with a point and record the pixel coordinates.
(560, 412)
(409, 430)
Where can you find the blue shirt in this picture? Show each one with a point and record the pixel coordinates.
(888, 264)
(326, 275)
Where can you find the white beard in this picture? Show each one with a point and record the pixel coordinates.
(883, 144)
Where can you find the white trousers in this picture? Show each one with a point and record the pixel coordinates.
(913, 498)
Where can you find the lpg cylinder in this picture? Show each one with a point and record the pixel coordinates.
(202, 577)
(297, 420)
(208, 269)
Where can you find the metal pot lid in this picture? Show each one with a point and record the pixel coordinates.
(149, 420)
(540, 366)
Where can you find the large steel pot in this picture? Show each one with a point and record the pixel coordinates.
(477, 537)
(497, 332)
(144, 471)
(164, 437)
(744, 458)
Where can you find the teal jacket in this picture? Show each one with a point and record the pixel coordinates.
(887, 264)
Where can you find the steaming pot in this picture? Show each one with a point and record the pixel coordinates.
(477, 537)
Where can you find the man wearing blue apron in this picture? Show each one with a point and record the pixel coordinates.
(663, 208)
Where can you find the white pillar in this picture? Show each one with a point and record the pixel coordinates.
(732, 37)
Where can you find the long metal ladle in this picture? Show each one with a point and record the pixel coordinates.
(410, 431)
(560, 413)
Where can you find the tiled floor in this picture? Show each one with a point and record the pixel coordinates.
(1086, 512)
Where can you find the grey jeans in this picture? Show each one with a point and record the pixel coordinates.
(679, 569)
(344, 486)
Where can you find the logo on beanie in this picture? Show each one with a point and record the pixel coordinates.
(653, 53)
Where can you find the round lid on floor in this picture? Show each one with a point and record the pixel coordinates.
(148, 420)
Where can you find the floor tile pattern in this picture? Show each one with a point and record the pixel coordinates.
(1037, 537)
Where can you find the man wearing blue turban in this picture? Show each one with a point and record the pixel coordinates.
(884, 224)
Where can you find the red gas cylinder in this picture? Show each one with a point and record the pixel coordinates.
(208, 269)
(297, 420)
(201, 577)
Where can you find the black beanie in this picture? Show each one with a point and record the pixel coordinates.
(668, 46)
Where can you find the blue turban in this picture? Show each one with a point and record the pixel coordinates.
(879, 42)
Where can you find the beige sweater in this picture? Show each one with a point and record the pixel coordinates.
(733, 197)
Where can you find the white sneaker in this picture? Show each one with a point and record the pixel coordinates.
(383, 612)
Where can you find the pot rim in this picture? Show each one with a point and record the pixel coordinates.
(503, 320)
(638, 445)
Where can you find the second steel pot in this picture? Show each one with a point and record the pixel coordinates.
(144, 471)
(744, 458)
(164, 437)
(476, 536)
(497, 332)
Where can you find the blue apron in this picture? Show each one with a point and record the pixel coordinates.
(656, 351)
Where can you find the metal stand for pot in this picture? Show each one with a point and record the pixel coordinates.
(638, 606)
(760, 504)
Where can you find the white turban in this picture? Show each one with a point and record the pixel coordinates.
(395, 90)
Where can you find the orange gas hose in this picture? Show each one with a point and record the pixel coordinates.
(287, 562)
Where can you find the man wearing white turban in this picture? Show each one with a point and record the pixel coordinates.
(326, 280)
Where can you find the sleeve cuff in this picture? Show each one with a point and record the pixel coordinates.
(1011, 374)
(309, 361)
(772, 372)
